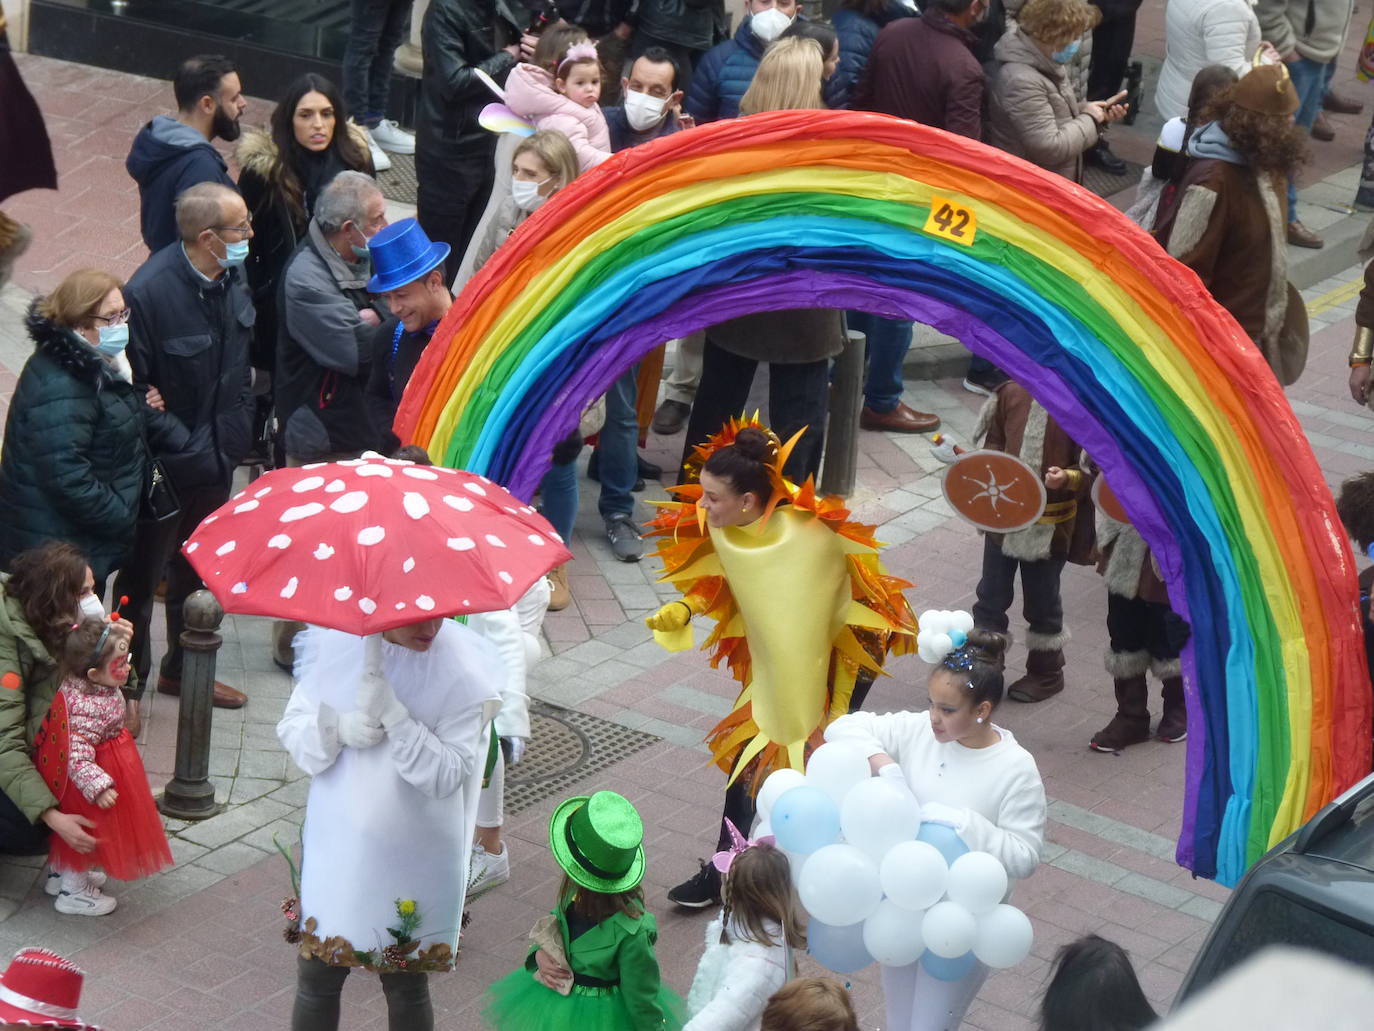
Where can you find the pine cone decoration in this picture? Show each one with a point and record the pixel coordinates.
(289, 906)
(395, 956)
(292, 935)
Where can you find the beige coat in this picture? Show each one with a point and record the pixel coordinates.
(1033, 112)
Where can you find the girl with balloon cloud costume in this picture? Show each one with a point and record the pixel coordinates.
(968, 774)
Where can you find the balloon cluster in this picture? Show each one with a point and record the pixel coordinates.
(879, 884)
(941, 632)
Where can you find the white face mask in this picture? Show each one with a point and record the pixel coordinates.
(643, 111)
(526, 194)
(90, 607)
(770, 24)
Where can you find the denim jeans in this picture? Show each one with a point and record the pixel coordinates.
(619, 448)
(558, 494)
(1312, 81)
(376, 30)
(888, 342)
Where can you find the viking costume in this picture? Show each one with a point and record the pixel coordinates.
(1012, 422)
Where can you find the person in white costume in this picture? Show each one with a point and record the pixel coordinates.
(515, 633)
(392, 730)
(967, 773)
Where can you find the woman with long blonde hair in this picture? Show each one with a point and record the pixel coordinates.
(788, 78)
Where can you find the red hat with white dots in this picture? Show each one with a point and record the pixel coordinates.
(41, 989)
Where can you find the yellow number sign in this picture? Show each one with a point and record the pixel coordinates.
(951, 221)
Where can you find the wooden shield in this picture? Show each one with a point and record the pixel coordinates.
(994, 491)
(1107, 502)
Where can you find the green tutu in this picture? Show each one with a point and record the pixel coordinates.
(518, 1002)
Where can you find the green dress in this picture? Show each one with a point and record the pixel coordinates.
(616, 985)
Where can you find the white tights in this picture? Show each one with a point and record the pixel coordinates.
(916, 1001)
(491, 800)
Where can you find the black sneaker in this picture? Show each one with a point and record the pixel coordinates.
(700, 891)
(626, 543)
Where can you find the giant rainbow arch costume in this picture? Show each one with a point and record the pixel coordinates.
(1119, 342)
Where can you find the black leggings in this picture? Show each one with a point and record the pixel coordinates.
(317, 998)
(18, 836)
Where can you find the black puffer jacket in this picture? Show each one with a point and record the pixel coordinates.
(458, 37)
(74, 457)
(190, 339)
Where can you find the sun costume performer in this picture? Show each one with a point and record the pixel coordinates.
(392, 729)
(802, 606)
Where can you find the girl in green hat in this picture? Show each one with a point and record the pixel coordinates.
(592, 963)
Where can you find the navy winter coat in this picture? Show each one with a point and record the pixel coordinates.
(190, 339)
(723, 75)
(856, 32)
(168, 157)
(74, 457)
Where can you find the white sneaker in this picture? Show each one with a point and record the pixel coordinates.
(54, 880)
(486, 870)
(390, 136)
(80, 897)
(380, 162)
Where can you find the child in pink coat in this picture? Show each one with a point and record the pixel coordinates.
(565, 100)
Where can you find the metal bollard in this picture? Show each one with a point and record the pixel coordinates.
(189, 795)
(840, 468)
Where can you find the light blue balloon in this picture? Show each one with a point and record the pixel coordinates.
(942, 836)
(942, 969)
(805, 819)
(840, 949)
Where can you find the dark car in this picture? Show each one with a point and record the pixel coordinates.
(1314, 890)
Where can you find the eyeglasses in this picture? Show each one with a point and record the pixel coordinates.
(245, 227)
(117, 319)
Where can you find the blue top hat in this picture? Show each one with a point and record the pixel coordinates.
(402, 253)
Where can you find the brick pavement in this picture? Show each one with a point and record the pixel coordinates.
(199, 945)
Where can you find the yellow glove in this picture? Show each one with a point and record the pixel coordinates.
(673, 616)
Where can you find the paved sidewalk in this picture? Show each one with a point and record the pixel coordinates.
(200, 946)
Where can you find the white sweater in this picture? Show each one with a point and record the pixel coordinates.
(1198, 33)
(733, 983)
(996, 790)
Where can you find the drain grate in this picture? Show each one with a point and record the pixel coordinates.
(1104, 184)
(566, 746)
(398, 181)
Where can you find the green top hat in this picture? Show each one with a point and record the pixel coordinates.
(598, 841)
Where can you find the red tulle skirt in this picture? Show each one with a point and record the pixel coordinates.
(132, 843)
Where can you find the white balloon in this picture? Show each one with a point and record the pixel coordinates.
(977, 881)
(839, 886)
(942, 644)
(913, 875)
(1004, 937)
(775, 786)
(949, 929)
(764, 829)
(875, 816)
(835, 768)
(928, 654)
(961, 621)
(795, 862)
(928, 618)
(892, 935)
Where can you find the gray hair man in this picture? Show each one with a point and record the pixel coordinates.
(324, 337)
(189, 333)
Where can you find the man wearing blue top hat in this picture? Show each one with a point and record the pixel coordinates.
(408, 272)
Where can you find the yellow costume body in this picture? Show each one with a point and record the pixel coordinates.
(801, 603)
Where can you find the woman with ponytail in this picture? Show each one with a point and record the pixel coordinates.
(967, 773)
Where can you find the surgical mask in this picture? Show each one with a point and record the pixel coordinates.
(770, 24)
(643, 111)
(235, 254)
(361, 253)
(526, 194)
(113, 340)
(90, 607)
(1067, 54)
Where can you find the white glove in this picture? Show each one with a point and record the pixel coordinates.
(378, 700)
(892, 774)
(515, 747)
(950, 816)
(359, 730)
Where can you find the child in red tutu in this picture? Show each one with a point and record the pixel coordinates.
(103, 777)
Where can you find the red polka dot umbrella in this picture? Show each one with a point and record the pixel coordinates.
(370, 544)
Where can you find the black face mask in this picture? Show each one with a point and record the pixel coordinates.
(223, 126)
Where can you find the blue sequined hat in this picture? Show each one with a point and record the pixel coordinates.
(402, 253)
